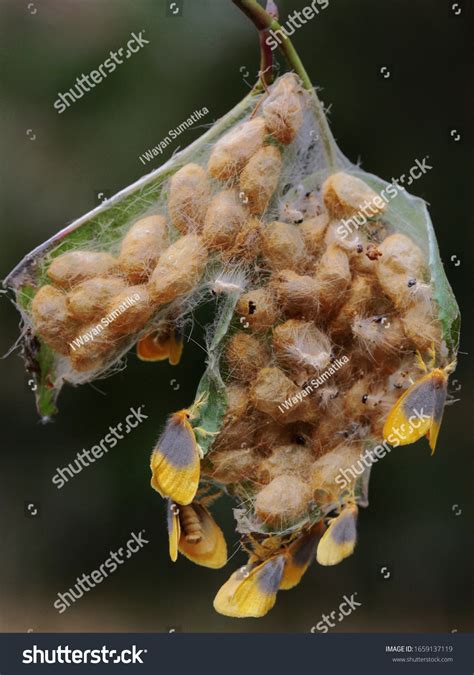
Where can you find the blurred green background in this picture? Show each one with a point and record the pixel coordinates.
(195, 59)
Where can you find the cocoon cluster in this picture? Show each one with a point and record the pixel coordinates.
(324, 345)
(323, 337)
(211, 211)
(325, 327)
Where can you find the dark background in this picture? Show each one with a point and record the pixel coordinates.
(199, 58)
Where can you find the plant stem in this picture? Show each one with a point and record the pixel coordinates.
(264, 21)
(266, 59)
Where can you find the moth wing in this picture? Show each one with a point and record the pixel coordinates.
(211, 551)
(339, 540)
(223, 600)
(253, 595)
(174, 529)
(441, 387)
(175, 462)
(256, 595)
(151, 348)
(175, 347)
(420, 397)
(299, 557)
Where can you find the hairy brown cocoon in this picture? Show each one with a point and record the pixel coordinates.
(258, 309)
(188, 198)
(283, 247)
(92, 353)
(237, 431)
(283, 109)
(422, 328)
(247, 243)
(333, 275)
(282, 500)
(73, 267)
(325, 469)
(286, 459)
(178, 270)
(89, 299)
(259, 178)
(51, 318)
(400, 254)
(237, 399)
(297, 294)
(270, 389)
(345, 195)
(231, 466)
(233, 151)
(141, 247)
(380, 336)
(360, 299)
(312, 231)
(224, 219)
(245, 355)
(138, 308)
(301, 347)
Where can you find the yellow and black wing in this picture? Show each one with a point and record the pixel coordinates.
(299, 556)
(419, 411)
(339, 540)
(251, 594)
(175, 461)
